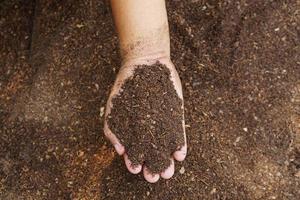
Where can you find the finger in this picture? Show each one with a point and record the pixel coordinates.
(114, 140)
(151, 178)
(120, 149)
(132, 169)
(169, 172)
(180, 154)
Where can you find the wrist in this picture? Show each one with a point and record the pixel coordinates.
(145, 51)
(145, 56)
(149, 60)
(146, 45)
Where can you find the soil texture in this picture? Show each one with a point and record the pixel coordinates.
(147, 117)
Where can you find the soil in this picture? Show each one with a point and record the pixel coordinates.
(147, 117)
(240, 69)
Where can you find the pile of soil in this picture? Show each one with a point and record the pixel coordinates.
(147, 117)
(240, 71)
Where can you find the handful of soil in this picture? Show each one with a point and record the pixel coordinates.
(147, 117)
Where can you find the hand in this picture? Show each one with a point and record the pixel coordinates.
(125, 72)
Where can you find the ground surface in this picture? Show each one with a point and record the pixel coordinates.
(240, 67)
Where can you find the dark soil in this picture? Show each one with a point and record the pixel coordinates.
(240, 69)
(147, 117)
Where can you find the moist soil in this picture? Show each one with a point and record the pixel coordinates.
(240, 71)
(147, 117)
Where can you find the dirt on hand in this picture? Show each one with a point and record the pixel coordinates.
(147, 117)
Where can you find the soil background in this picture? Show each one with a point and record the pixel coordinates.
(240, 68)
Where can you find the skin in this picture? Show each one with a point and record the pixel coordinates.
(143, 31)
